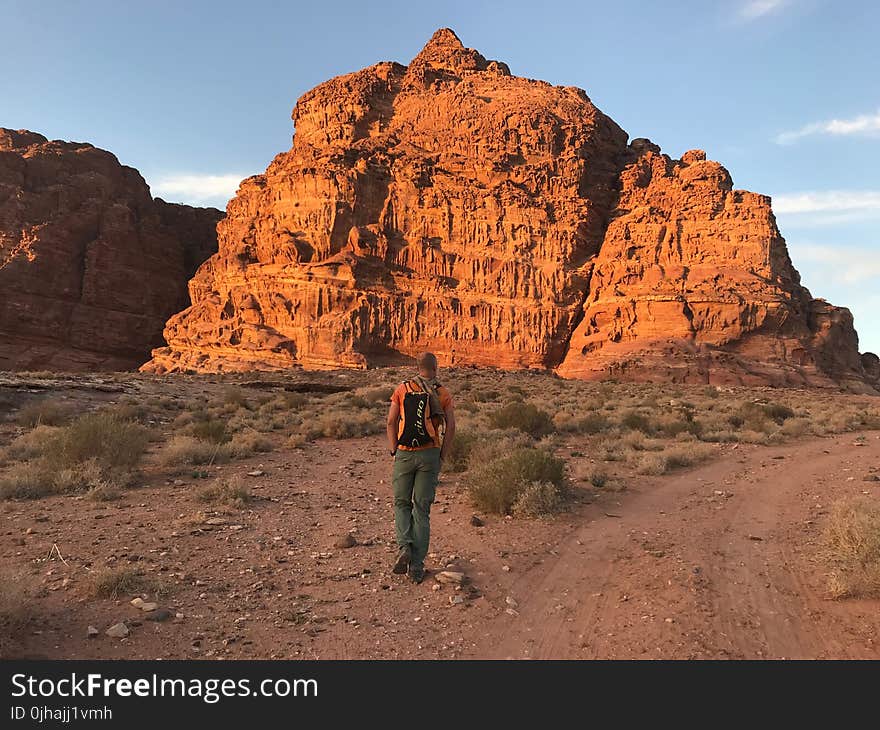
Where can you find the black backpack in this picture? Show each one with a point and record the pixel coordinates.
(418, 429)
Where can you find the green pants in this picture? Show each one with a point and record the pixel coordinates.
(414, 478)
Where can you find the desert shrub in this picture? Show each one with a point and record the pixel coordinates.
(117, 445)
(231, 492)
(851, 547)
(189, 451)
(526, 417)
(81, 476)
(868, 419)
(598, 478)
(121, 582)
(348, 425)
(495, 484)
(637, 441)
(778, 413)
(369, 397)
(539, 499)
(44, 412)
(32, 443)
(675, 426)
(593, 423)
(485, 395)
(209, 429)
(27, 480)
(459, 450)
(234, 396)
(103, 492)
(796, 427)
(678, 456)
(635, 421)
(247, 443)
(130, 411)
(17, 600)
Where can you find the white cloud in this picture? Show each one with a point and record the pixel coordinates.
(864, 124)
(828, 201)
(197, 189)
(754, 9)
(840, 264)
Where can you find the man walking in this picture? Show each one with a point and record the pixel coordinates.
(421, 426)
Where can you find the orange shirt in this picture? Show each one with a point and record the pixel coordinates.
(445, 403)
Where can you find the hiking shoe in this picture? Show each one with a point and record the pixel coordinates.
(401, 565)
(416, 573)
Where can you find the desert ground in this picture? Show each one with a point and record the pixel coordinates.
(574, 520)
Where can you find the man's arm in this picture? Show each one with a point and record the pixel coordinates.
(391, 426)
(450, 433)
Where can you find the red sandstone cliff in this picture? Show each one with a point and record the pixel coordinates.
(90, 265)
(497, 220)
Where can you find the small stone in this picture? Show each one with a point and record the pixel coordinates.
(256, 473)
(505, 568)
(92, 632)
(346, 541)
(476, 521)
(450, 577)
(511, 611)
(160, 614)
(756, 538)
(137, 602)
(118, 631)
(511, 601)
(456, 600)
(148, 606)
(436, 587)
(178, 482)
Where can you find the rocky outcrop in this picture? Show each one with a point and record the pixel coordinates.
(90, 265)
(693, 283)
(497, 220)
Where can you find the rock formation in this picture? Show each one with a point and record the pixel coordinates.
(497, 220)
(91, 266)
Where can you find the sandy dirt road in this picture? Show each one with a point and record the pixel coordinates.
(717, 562)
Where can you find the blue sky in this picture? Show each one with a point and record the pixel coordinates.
(196, 95)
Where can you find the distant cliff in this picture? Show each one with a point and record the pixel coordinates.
(91, 265)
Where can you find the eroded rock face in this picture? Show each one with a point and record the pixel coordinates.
(448, 205)
(693, 283)
(90, 265)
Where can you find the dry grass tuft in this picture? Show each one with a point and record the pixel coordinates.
(121, 582)
(851, 548)
(230, 491)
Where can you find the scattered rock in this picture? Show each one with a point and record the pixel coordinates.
(160, 614)
(450, 577)
(756, 538)
(256, 473)
(137, 602)
(118, 631)
(511, 601)
(476, 521)
(92, 632)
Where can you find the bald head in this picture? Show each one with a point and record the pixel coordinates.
(427, 365)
